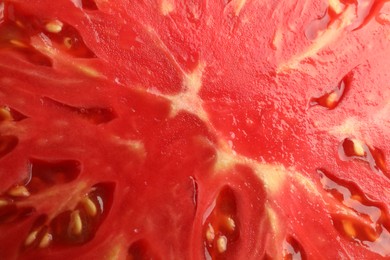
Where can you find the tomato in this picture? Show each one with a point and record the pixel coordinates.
(194, 129)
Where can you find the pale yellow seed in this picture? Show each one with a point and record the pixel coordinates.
(371, 234)
(331, 99)
(46, 240)
(358, 148)
(91, 72)
(18, 43)
(357, 197)
(5, 114)
(68, 42)
(75, 225)
(210, 234)
(3, 202)
(222, 244)
(336, 6)
(19, 24)
(89, 206)
(31, 238)
(19, 191)
(349, 229)
(54, 26)
(230, 223)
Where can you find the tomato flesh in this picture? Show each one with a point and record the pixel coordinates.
(194, 130)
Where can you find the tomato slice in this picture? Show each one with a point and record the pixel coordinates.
(194, 130)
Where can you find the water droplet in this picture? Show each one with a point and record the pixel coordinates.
(292, 249)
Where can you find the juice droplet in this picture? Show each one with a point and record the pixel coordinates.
(383, 18)
(367, 222)
(351, 196)
(366, 11)
(316, 27)
(322, 23)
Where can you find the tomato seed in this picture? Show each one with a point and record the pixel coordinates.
(46, 240)
(331, 99)
(54, 26)
(68, 42)
(222, 244)
(31, 238)
(18, 43)
(230, 224)
(5, 114)
(348, 228)
(210, 234)
(350, 149)
(75, 224)
(89, 206)
(19, 191)
(358, 148)
(3, 202)
(351, 196)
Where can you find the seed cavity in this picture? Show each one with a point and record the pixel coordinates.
(221, 224)
(45, 174)
(141, 249)
(9, 114)
(7, 144)
(352, 149)
(89, 4)
(330, 100)
(19, 191)
(292, 249)
(95, 115)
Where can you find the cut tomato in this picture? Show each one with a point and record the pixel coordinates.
(172, 129)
